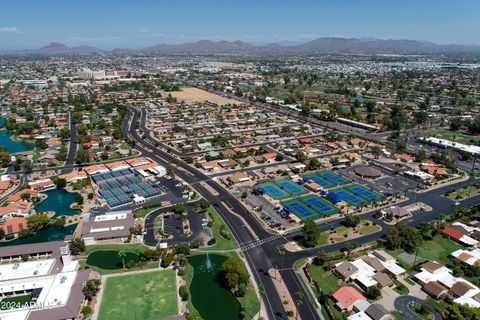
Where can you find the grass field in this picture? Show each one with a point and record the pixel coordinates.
(325, 281)
(142, 213)
(364, 228)
(150, 295)
(464, 193)
(133, 247)
(220, 232)
(437, 249)
(453, 136)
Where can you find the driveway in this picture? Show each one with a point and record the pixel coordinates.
(401, 304)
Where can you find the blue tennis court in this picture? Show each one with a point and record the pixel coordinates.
(324, 207)
(319, 180)
(335, 178)
(273, 190)
(291, 187)
(300, 209)
(341, 194)
(364, 192)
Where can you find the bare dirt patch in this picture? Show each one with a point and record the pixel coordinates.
(199, 95)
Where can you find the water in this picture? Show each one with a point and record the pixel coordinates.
(46, 235)
(12, 146)
(109, 259)
(212, 301)
(59, 201)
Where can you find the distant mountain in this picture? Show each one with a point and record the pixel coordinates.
(203, 47)
(60, 48)
(320, 45)
(327, 45)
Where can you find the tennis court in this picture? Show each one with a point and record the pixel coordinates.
(273, 190)
(320, 205)
(333, 177)
(341, 194)
(291, 187)
(300, 209)
(364, 192)
(118, 187)
(320, 181)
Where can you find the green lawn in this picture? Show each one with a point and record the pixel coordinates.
(299, 263)
(142, 213)
(437, 249)
(220, 232)
(16, 302)
(400, 288)
(364, 228)
(250, 301)
(453, 136)
(150, 295)
(324, 281)
(464, 193)
(133, 247)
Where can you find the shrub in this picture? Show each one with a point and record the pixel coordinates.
(212, 241)
(183, 292)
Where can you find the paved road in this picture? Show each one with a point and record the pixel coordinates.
(72, 149)
(262, 258)
(401, 304)
(257, 258)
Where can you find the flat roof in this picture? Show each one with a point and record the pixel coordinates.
(27, 269)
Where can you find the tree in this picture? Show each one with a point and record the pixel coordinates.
(91, 288)
(25, 196)
(38, 222)
(403, 236)
(373, 292)
(183, 248)
(82, 156)
(60, 222)
(77, 246)
(179, 208)
(233, 273)
(60, 182)
(311, 234)
(351, 220)
(301, 156)
(458, 311)
(2, 234)
(122, 254)
(79, 199)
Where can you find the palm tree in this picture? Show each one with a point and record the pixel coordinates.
(122, 254)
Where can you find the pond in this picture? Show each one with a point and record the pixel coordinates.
(109, 259)
(46, 235)
(59, 201)
(8, 142)
(211, 300)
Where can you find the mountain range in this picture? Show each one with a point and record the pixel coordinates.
(326, 45)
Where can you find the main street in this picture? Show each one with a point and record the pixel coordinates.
(243, 225)
(247, 229)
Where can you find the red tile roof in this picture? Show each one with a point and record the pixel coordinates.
(347, 296)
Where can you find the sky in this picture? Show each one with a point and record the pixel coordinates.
(108, 24)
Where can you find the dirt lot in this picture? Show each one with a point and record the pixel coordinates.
(198, 95)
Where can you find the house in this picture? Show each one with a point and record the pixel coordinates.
(227, 163)
(459, 289)
(471, 258)
(346, 269)
(111, 225)
(383, 280)
(44, 184)
(238, 177)
(346, 297)
(403, 157)
(457, 233)
(378, 312)
(209, 165)
(269, 156)
(435, 289)
(74, 176)
(13, 225)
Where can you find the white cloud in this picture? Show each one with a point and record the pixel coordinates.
(143, 30)
(9, 30)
